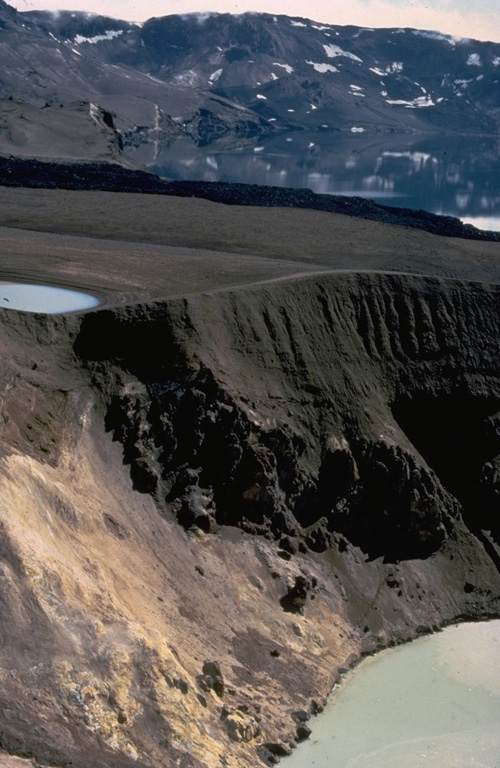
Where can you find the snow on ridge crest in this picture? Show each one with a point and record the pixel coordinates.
(109, 34)
(200, 17)
(451, 39)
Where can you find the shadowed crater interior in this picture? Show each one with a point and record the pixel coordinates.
(458, 435)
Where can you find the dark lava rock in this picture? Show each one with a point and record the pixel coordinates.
(303, 732)
(106, 177)
(211, 679)
(296, 597)
(111, 177)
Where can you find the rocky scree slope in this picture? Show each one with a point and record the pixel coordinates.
(197, 540)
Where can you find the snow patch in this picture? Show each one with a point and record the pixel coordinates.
(215, 75)
(377, 71)
(154, 79)
(357, 129)
(418, 103)
(355, 87)
(461, 85)
(261, 96)
(286, 67)
(320, 27)
(201, 17)
(187, 78)
(396, 66)
(322, 67)
(298, 23)
(363, 29)
(496, 61)
(474, 60)
(436, 36)
(109, 34)
(95, 112)
(258, 149)
(332, 51)
(274, 77)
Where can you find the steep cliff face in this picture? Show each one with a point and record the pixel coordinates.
(362, 406)
(213, 503)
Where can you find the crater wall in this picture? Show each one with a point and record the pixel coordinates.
(213, 505)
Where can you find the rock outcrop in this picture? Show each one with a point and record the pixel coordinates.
(319, 423)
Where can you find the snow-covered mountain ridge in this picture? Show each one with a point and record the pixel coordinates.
(221, 77)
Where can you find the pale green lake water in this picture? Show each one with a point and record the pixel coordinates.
(43, 298)
(433, 703)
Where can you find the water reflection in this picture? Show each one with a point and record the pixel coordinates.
(458, 176)
(483, 222)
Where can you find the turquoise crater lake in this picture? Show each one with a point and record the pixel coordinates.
(45, 299)
(433, 703)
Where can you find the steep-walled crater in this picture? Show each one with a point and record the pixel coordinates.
(318, 413)
(126, 641)
(267, 421)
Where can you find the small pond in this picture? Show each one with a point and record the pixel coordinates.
(434, 702)
(44, 298)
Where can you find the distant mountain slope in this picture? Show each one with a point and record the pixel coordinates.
(56, 101)
(219, 77)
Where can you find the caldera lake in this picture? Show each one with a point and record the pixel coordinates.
(431, 703)
(450, 175)
(45, 299)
